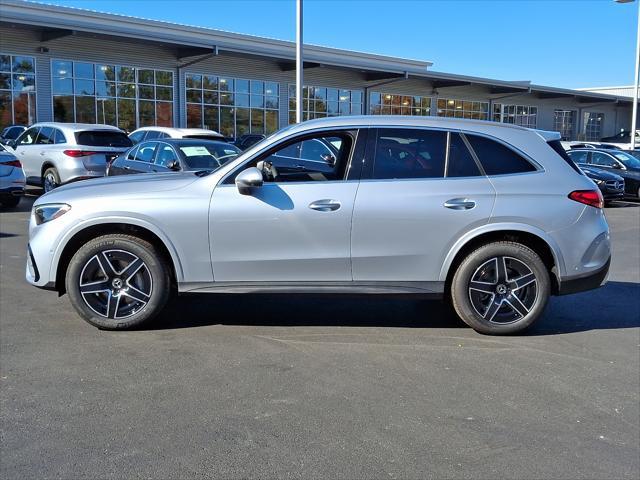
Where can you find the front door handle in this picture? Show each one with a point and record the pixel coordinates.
(460, 204)
(325, 205)
(126, 167)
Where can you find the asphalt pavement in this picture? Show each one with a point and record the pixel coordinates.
(277, 386)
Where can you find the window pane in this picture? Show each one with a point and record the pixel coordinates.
(85, 109)
(164, 78)
(106, 110)
(271, 121)
(242, 100)
(257, 87)
(45, 136)
(242, 86)
(272, 102)
(106, 89)
(83, 70)
(409, 153)
(242, 121)
(127, 90)
(5, 63)
(22, 82)
(84, 87)
(225, 84)
(257, 120)
(461, 163)
(146, 92)
(210, 82)
(271, 88)
(106, 72)
(496, 158)
(164, 93)
(257, 101)
(193, 81)
(145, 76)
(5, 81)
(63, 108)
(6, 113)
(147, 113)
(211, 98)
(194, 115)
(164, 114)
(127, 114)
(126, 74)
(211, 118)
(23, 65)
(227, 122)
(62, 85)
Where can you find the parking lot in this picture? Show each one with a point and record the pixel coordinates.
(320, 386)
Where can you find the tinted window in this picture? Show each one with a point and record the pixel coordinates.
(12, 133)
(132, 153)
(46, 136)
(137, 137)
(59, 136)
(28, 137)
(602, 159)
(165, 155)
(461, 162)
(409, 153)
(152, 134)
(578, 156)
(103, 138)
(145, 152)
(498, 159)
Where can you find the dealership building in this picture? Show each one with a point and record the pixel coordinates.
(73, 65)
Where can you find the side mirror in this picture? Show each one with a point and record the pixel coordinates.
(174, 165)
(11, 143)
(249, 179)
(617, 166)
(330, 159)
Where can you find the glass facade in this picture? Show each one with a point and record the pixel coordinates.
(17, 90)
(393, 104)
(232, 106)
(564, 122)
(321, 102)
(128, 97)
(523, 115)
(592, 126)
(448, 107)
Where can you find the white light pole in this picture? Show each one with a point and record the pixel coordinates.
(299, 62)
(636, 86)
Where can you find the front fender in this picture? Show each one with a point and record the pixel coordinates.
(498, 227)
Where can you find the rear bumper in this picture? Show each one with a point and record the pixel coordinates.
(586, 282)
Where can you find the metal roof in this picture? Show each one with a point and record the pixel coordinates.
(195, 40)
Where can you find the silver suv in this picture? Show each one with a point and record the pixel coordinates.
(56, 153)
(494, 217)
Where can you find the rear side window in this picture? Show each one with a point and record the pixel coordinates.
(461, 162)
(498, 159)
(137, 136)
(59, 136)
(103, 138)
(409, 153)
(46, 136)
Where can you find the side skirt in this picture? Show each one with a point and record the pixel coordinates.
(424, 289)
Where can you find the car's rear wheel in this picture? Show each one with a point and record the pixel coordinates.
(50, 179)
(500, 288)
(118, 281)
(9, 201)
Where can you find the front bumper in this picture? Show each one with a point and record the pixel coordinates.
(586, 282)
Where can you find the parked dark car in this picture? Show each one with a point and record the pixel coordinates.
(168, 155)
(248, 140)
(620, 137)
(11, 133)
(610, 184)
(616, 161)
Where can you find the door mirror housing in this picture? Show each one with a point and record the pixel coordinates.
(330, 159)
(174, 165)
(11, 143)
(249, 179)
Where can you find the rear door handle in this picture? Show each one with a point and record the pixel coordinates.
(325, 205)
(460, 204)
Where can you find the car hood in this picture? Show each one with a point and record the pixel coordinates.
(120, 186)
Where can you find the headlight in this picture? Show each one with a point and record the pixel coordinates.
(47, 212)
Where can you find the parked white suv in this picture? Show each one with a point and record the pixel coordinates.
(56, 153)
(151, 133)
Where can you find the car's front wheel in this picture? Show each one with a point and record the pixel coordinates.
(500, 288)
(118, 281)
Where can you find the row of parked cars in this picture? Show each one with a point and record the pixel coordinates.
(52, 154)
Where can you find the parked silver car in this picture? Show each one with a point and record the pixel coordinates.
(12, 180)
(53, 154)
(495, 217)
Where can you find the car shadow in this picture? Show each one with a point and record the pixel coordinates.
(568, 314)
(26, 202)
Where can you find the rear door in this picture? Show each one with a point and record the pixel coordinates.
(421, 189)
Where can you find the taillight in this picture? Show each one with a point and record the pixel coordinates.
(592, 198)
(79, 153)
(12, 163)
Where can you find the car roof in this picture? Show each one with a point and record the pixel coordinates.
(179, 131)
(179, 142)
(478, 126)
(77, 127)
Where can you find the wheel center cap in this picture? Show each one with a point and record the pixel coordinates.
(501, 289)
(116, 283)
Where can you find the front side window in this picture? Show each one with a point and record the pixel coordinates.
(409, 153)
(46, 136)
(498, 159)
(145, 152)
(165, 155)
(602, 159)
(28, 137)
(17, 90)
(578, 156)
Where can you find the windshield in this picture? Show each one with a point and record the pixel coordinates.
(628, 160)
(210, 156)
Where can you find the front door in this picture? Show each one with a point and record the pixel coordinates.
(29, 155)
(294, 228)
(420, 191)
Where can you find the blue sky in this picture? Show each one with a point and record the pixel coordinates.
(579, 43)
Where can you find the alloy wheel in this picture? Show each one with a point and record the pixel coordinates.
(115, 284)
(503, 290)
(50, 182)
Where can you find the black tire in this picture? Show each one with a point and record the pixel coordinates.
(135, 299)
(510, 304)
(50, 179)
(9, 202)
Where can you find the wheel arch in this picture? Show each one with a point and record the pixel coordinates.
(45, 165)
(131, 227)
(538, 241)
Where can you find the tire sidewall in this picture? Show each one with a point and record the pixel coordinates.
(464, 273)
(54, 173)
(143, 250)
